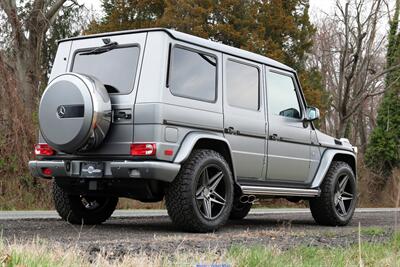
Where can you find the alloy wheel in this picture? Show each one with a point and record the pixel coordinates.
(344, 195)
(211, 192)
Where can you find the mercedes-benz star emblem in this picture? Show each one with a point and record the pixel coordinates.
(61, 111)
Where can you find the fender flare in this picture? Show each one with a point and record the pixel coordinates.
(325, 163)
(190, 141)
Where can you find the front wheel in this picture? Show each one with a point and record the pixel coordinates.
(337, 202)
(200, 198)
(78, 209)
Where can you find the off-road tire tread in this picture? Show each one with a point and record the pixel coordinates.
(320, 206)
(67, 210)
(178, 198)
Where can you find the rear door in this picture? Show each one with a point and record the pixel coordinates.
(244, 118)
(118, 69)
(289, 137)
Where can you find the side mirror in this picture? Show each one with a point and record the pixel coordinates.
(312, 114)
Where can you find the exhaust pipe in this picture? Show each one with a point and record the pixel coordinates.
(244, 199)
(252, 198)
(247, 199)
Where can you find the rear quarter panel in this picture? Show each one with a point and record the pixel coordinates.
(162, 117)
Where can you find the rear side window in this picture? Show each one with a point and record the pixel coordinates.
(116, 68)
(242, 85)
(282, 97)
(193, 75)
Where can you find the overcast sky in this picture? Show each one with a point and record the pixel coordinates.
(315, 5)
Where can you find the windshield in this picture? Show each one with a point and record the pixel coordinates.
(116, 68)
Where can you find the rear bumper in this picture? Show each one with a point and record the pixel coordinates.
(156, 170)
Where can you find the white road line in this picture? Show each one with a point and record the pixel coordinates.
(51, 214)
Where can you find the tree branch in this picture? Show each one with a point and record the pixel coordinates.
(54, 9)
(10, 8)
(392, 68)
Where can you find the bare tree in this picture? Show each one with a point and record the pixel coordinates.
(350, 52)
(28, 23)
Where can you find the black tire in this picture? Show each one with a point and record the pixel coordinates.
(72, 209)
(186, 210)
(239, 209)
(327, 208)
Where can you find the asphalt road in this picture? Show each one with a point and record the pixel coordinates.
(152, 231)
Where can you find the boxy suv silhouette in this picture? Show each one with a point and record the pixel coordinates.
(154, 113)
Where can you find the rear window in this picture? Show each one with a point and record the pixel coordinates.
(193, 75)
(116, 68)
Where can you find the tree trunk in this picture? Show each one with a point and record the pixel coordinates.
(28, 73)
(341, 129)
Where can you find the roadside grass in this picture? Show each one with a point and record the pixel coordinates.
(40, 253)
(372, 254)
(24, 193)
(37, 253)
(372, 231)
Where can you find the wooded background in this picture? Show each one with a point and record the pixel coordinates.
(348, 61)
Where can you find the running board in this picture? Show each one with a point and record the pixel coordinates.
(279, 191)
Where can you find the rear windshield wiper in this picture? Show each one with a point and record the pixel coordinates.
(101, 49)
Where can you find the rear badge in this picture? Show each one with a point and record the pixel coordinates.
(61, 111)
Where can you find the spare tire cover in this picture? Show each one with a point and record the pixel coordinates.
(74, 113)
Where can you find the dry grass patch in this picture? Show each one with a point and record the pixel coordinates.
(40, 253)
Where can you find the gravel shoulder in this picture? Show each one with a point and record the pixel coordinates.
(146, 233)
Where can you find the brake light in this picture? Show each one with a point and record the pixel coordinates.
(43, 150)
(143, 149)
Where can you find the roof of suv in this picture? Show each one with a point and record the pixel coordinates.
(197, 41)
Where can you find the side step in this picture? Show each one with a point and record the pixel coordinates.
(279, 191)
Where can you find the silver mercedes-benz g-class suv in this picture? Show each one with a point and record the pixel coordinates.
(154, 113)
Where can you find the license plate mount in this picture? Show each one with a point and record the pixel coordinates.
(92, 169)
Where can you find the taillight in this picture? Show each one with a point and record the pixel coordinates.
(143, 149)
(43, 150)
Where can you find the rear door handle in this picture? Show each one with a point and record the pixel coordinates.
(231, 130)
(122, 115)
(274, 137)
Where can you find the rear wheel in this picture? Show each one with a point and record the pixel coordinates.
(336, 204)
(200, 198)
(78, 209)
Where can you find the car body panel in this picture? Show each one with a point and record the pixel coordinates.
(289, 142)
(245, 129)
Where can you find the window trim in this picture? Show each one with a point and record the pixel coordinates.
(238, 61)
(170, 70)
(80, 50)
(296, 89)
